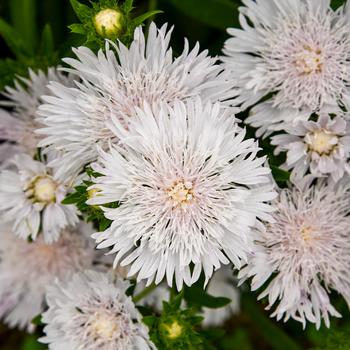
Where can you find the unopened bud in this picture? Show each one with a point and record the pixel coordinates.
(109, 22)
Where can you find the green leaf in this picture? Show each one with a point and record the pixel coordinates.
(23, 16)
(140, 19)
(77, 28)
(72, 198)
(336, 4)
(127, 6)
(47, 42)
(82, 11)
(13, 40)
(31, 343)
(279, 174)
(199, 297)
(215, 13)
(272, 333)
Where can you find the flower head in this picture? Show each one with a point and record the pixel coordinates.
(30, 198)
(113, 86)
(304, 254)
(190, 191)
(26, 269)
(90, 312)
(321, 146)
(18, 127)
(298, 50)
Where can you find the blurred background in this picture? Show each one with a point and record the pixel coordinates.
(43, 38)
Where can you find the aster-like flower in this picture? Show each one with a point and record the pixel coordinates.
(26, 269)
(91, 312)
(18, 127)
(114, 85)
(299, 50)
(30, 199)
(321, 146)
(190, 190)
(304, 254)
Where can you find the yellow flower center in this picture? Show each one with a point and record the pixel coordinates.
(321, 141)
(105, 326)
(174, 330)
(42, 189)
(108, 22)
(306, 232)
(181, 193)
(309, 61)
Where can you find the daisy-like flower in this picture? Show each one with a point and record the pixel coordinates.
(118, 81)
(304, 254)
(190, 188)
(30, 199)
(26, 269)
(299, 50)
(91, 312)
(322, 146)
(18, 127)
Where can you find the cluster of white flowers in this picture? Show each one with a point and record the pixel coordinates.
(291, 62)
(184, 190)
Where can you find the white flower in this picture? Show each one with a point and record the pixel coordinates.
(299, 50)
(117, 81)
(304, 254)
(190, 189)
(91, 312)
(323, 147)
(26, 269)
(18, 127)
(222, 285)
(30, 198)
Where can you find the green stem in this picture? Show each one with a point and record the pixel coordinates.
(144, 293)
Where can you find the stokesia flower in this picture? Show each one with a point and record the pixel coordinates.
(321, 146)
(190, 190)
(116, 82)
(17, 128)
(27, 268)
(298, 50)
(91, 311)
(304, 254)
(30, 199)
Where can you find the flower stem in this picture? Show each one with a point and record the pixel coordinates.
(144, 293)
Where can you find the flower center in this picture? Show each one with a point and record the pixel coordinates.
(309, 61)
(181, 193)
(321, 141)
(306, 232)
(42, 189)
(105, 326)
(174, 330)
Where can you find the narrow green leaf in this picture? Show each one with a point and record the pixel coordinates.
(127, 6)
(13, 40)
(77, 28)
(72, 198)
(272, 333)
(82, 11)
(197, 296)
(279, 174)
(140, 19)
(47, 42)
(23, 16)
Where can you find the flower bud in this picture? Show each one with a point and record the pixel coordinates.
(108, 22)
